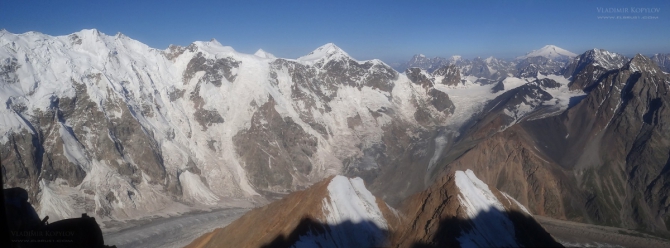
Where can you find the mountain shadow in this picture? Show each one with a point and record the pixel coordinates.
(22, 228)
(311, 233)
(490, 229)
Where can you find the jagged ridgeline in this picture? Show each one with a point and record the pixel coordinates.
(459, 210)
(109, 126)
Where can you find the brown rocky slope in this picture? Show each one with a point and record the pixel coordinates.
(458, 210)
(605, 160)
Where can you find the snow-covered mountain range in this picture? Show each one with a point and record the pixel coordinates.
(106, 124)
(109, 126)
(549, 59)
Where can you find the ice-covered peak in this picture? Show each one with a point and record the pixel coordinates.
(87, 33)
(214, 42)
(603, 58)
(418, 58)
(476, 195)
(263, 54)
(550, 52)
(324, 53)
(489, 221)
(214, 47)
(642, 63)
(30, 36)
(489, 59)
(349, 200)
(211, 43)
(456, 57)
(92, 38)
(5, 33)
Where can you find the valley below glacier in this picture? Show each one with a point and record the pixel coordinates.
(575, 234)
(176, 231)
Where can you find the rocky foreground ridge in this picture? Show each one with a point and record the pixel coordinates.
(459, 210)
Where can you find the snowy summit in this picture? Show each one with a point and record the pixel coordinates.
(326, 52)
(550, 52)
(263, 54)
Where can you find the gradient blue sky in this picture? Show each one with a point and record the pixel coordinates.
(389, 30)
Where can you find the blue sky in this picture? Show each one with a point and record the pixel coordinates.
(389, 30)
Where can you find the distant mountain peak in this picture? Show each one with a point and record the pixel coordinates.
(662, 60)
(89, 32)
(642, 63)
(328, 51)
(604, 58)
(215, 42)
(550, 52)
(263, 54)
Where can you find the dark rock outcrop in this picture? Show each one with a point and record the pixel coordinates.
(275, 149)
(586, 69)
(26, 230)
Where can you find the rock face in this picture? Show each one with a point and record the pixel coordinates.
(662, 60)
(626, 146)
(586, 69)
(602, 161)
(459, 210)
(450, 74)
(108, 126)
(531, 66)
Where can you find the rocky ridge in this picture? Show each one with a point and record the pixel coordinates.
(458, 210)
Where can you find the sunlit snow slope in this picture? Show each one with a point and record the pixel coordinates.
(337, 212)
(109, 126)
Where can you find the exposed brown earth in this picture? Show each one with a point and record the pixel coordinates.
(261, 226)
(431, 218)
(509, 160)
(603, 161)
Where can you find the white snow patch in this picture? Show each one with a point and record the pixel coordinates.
(73, 150)
(263, 54)
(348, 202)
(324, 53)
(550, 52)
(490, 225)
(194, 189)
(52, 204)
